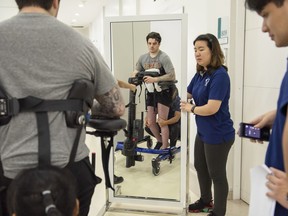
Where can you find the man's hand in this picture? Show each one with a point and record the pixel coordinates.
(149, 79)
(278, 185)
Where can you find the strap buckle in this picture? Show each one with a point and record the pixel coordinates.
(9, 107)
(3, 107)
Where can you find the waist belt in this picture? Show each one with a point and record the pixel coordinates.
(12, 107)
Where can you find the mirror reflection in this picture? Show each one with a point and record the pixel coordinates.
(150, 173)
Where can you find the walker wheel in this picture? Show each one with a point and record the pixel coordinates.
(156, 170)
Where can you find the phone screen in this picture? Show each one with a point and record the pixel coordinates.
(250, 131)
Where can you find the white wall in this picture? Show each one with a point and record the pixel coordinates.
(7, 8)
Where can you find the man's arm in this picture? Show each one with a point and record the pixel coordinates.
(285, 142)
(111, 104)
(167, 77)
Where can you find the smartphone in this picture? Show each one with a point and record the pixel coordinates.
(249, 131)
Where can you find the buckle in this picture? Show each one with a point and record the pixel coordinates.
(3, 107)
(9, 107)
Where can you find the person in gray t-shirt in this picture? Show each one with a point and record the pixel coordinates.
(42, 57)
(158, 101)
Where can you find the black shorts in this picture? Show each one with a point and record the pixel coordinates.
(164, 97)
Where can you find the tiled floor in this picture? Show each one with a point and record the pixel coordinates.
(139, 181)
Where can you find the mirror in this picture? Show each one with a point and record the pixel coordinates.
(127, 41)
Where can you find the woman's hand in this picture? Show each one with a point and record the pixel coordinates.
(185, 106)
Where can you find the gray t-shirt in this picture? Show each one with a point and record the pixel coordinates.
(162, 60)
(42, 57)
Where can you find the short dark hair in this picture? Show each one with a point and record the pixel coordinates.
(258, 5)
(154, 35)
(217, 56)
(45, 4)
(35, 189)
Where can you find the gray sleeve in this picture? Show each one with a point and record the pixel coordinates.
(103, 78)
(167, 64)
(139, 65)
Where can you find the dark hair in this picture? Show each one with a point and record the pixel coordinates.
(39, 192)
(258, 5)
(155, 36)
(46, 4)
(217, 56)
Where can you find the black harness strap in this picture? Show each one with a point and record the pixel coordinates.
(34, 104)
(44, 148)
(75, 146)
(41, 108)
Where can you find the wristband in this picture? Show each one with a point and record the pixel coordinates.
(192, 109)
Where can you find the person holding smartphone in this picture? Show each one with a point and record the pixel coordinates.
(275, 22)
(210, 90)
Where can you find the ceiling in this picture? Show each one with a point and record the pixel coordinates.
(78, 12)
(72, 12)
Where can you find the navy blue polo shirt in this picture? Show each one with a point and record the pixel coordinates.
(216, 128)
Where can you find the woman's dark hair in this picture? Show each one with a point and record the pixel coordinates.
(46, 4)
(258, 5)
(217, 56)
(42, 191)
(155, 36)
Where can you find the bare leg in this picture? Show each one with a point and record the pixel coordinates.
(151, 118)
(163, 114)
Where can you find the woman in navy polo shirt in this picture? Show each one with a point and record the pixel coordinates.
(210, 90)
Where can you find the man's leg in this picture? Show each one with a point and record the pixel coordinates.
(152, 124)
(87, 181)
(4, 183)
(163, 114)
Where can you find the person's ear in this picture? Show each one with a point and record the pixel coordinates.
(55, 8)
(55, 4)
(76, 208)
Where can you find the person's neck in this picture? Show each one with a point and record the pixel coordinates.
(31, 9)
(153, 55)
